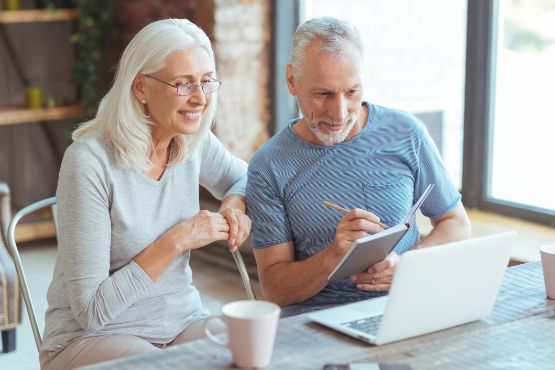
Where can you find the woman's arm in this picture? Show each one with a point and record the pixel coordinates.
(96, 294)
(225, 176)
(200, 230)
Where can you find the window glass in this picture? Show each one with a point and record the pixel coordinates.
(415, 61)
(523, 125)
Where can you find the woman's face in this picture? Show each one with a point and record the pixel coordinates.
(170, 113)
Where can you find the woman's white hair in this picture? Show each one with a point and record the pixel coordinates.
(332, 34)
(121, 121)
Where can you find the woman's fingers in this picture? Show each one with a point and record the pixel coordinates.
(239, 226)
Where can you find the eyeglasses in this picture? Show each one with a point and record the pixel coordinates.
(189, 88)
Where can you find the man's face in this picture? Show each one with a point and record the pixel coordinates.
(328, 88)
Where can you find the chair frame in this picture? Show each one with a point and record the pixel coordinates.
(12, 247)
(51, 202)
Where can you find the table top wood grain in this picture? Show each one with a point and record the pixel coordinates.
(519, 334)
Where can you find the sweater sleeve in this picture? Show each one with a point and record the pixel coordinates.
(221, 173)
(96, 294)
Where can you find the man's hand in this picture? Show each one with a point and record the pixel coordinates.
(378, 277)
(356, 224)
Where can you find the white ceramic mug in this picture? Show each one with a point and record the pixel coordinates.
(251, 331)
(548, 263)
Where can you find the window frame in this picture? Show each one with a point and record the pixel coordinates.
(478, 106)
(481, 61)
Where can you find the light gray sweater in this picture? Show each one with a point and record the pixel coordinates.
(107, 215)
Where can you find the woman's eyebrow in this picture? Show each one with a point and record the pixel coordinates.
(191, 77)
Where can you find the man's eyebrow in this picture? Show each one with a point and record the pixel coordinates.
(323, 89)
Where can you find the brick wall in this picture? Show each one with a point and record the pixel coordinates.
(242, 37)
(240, 32)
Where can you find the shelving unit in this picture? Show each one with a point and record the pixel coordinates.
(41, 225)
(19, 115)
(37, 15)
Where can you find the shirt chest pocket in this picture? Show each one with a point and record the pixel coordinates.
(390, 200)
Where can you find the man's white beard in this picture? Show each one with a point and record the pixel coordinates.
(333, 137)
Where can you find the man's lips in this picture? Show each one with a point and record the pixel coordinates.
(332, 127)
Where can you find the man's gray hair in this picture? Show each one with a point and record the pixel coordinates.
(332, 33)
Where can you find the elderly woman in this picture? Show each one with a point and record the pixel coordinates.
(128, 203)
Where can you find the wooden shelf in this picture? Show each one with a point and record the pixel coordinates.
(37, 15)
(28, 231)
(12, 116)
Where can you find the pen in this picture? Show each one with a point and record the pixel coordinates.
(345, 210)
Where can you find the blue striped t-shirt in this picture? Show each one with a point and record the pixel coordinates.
(383, 169)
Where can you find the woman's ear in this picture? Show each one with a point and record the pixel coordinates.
(138, 88)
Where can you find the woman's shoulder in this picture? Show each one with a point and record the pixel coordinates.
(88, 150)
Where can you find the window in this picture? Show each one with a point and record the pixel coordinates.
(523, 126)
(489, 61)
(415, 61)
(509, 128)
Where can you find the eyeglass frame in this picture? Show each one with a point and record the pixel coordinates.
(196, 85)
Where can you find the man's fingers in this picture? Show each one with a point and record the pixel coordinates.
(374, 288)
(357, 213)
(365, 278)
(381, 267)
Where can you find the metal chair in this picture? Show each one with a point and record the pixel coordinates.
(12, 247)
(10, 296)
(51, 202)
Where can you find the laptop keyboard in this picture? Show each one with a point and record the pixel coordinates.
(368, 325)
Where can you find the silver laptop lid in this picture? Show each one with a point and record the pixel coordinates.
(446, 285)
(434, 288)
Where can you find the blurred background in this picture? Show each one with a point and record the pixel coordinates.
(478, 73)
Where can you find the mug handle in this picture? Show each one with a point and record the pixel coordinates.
(211, 336)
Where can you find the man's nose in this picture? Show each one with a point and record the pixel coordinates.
(339, 109)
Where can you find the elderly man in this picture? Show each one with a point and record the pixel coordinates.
(373, 160)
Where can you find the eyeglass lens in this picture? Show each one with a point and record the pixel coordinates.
(188, 88)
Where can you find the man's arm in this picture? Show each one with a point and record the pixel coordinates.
(452, 226)
(286, 281)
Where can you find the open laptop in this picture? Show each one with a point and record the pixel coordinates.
(433, 288)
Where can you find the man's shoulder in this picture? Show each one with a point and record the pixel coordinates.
(395, 117)
(271, 149)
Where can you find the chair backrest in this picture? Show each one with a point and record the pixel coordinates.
(12, 247)
(51, 202)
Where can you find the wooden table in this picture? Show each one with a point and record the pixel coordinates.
(519, 334)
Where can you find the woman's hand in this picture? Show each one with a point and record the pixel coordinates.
(239, 226)
(200, 230)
